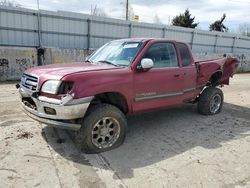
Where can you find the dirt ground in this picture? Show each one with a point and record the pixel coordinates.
(169, 148)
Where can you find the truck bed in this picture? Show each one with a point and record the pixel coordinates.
(222, 67)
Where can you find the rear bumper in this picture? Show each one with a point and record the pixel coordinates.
(64, 115)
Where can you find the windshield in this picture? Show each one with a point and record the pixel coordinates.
(117, 53)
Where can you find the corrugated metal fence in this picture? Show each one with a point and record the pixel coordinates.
(30, 28)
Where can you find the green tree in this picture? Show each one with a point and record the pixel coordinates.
(218, 25)
(184, 20)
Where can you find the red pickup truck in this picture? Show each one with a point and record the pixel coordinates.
(122, 77)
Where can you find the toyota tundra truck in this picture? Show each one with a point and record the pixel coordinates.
(122, 77)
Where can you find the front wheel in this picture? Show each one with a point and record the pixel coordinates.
(210, 101)
(103, 129)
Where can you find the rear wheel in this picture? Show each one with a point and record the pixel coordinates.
(103, 129)
(210, 101)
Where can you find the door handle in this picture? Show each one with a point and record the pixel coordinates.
(176, 75)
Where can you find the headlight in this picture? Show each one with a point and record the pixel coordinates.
(51, 86)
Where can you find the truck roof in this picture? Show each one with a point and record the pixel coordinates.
(141, 39)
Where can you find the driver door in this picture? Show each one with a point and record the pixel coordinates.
(161, 86)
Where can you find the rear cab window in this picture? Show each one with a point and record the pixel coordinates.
(185, 54)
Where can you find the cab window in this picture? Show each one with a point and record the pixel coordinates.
(163, 55)
(185, 54)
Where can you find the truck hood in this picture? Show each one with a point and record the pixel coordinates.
(57, 71)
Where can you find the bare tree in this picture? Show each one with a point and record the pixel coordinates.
(98, 11)
(244, 29)
(9, 3)
(131, 13)
(157, 19)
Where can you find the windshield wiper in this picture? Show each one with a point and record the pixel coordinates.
(108, 62)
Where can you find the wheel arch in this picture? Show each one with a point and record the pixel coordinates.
(215, 78)
(114, 98)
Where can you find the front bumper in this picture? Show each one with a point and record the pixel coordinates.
(65, 114)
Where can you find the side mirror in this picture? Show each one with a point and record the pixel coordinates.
(146, 64)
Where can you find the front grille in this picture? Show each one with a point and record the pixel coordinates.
(29, 81)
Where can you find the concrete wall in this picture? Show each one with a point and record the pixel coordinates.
(244, 62)
(13, 61)
(56, 55)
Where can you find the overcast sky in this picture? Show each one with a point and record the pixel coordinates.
(205, 11)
